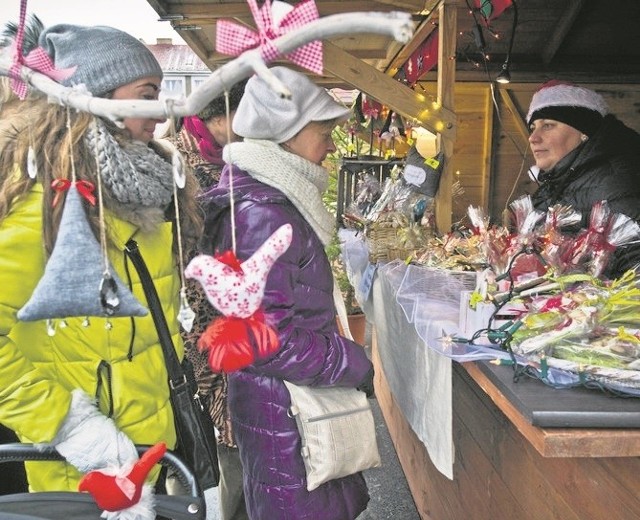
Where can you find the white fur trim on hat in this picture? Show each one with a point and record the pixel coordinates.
(562, 95)
(263, 114)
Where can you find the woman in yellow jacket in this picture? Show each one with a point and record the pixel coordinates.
(92, 389)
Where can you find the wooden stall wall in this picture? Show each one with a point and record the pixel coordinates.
(471, 159)
(498, 473)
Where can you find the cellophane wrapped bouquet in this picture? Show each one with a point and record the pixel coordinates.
(571, 316)
(396, 217)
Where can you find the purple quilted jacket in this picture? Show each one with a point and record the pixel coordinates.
(299, 301)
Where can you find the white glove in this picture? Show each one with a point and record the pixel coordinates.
(89, 440)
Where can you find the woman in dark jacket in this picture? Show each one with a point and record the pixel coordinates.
(277, 178)
(585, 155)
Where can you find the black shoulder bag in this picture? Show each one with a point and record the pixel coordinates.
(197, 444)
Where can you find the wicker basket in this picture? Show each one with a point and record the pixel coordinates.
(393, 237)
(381, 240)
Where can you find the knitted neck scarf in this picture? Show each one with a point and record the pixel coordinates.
(302, 181)
(136, 177)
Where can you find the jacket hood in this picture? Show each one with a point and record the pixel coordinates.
(612, 139)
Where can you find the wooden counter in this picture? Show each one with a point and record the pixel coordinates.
(506, 468)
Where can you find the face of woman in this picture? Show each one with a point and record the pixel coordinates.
(551, 140)
(313, 142)
(145, 88)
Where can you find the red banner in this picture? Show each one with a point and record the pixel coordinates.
(491, 9)
(422, 60)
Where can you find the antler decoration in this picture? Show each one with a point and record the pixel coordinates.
(234, 39)
(37, 60)
(396, 24)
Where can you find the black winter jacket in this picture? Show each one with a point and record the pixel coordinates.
(606, 167)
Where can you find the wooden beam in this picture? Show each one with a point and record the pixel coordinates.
(158, 6)
(447, 34)
(487, 151)
(518, 118)
(414, 6)
(212, 11)
(422, 32)
(199, 45)
(372, 53)
(387, 90)
(565, 22)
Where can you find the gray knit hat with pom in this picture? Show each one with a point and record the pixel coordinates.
(106, 58)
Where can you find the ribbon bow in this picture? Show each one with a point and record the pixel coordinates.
(37, 60)
(234, 39)
(85, 188)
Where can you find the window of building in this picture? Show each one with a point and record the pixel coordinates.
(173, 86)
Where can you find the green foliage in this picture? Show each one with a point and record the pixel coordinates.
(330, 198)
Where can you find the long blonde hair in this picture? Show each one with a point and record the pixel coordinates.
(43, 126)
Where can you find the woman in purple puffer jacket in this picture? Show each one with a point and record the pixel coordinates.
(278, 178)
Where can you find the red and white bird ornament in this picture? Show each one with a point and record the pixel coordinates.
(239, 337)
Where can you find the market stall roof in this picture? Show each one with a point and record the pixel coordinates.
(594, 41)
(586, 41)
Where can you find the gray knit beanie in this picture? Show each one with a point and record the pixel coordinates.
(106, 58)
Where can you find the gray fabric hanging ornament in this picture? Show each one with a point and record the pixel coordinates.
(74, 281)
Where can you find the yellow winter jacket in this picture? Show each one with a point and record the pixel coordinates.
(122, 366)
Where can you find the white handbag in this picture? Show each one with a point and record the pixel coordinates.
(337, 430)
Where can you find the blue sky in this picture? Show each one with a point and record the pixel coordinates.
(136, 17)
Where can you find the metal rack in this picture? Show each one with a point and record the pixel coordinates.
(353, 167)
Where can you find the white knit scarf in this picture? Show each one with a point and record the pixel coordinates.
(302, 181)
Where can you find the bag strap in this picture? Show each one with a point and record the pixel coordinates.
(341, 310)
(176, 374)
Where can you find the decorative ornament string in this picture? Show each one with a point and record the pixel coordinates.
(186, 315)
(37, 60)
(102, 230)
(234, 39)
(231, 197)
(108, 287)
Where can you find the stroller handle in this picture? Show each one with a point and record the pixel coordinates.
(20, 452)
(56, 505)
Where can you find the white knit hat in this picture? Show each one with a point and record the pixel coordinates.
(263, 114)
(576, 106)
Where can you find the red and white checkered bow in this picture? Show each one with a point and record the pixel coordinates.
(234, 39)
(37, 60)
